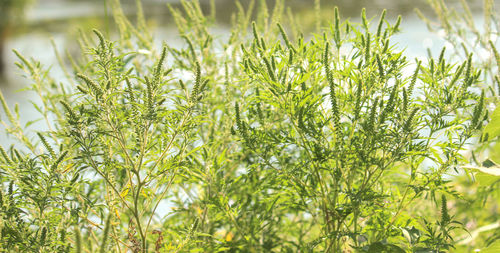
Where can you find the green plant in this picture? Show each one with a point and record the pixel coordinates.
(256, 143)
(342, 150)
(478, 187)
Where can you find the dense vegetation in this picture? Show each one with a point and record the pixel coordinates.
(268, 140)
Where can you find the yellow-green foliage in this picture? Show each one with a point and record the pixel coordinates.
(268, 141)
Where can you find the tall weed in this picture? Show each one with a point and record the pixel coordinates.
(268, 140)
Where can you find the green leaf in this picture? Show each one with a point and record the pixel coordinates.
(493, 128)
(486, 179)
(494, 155)
(494, 171)
(493, 248)
(486, 176)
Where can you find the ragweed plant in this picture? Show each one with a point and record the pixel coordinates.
(355, 141)
(266, 141)
(479, 188)
(466, 39)
(123, 133)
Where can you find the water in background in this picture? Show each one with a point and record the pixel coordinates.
(48, 20)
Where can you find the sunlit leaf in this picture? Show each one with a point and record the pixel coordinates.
(493, 248)
(493, 128)
(486, 176)
(485, 179)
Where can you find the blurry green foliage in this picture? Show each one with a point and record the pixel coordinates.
(480, 186)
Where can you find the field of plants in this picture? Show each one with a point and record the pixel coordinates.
(275, 138)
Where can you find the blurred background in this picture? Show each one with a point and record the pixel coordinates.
(29, 25)
(33, 27)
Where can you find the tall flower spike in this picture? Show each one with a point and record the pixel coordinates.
(81, 89)
(395, 28)
(239, 123)
(104, 242)
(381, 22)
(130, 90)
(237, 115)
(325, 56)
(24, 60)
(102, 41)
(70, 111)
(47, 145)
(338, 41)
(333, 96)
(91, 84)
(367, 48)
(363, 42)
(259, 108)
(405, 101)
(273, 64)
(5, 156)
(457, 75)
(363, 18)
(413, 80)
(18, 156)
(197, 83)
(495, 53)
(445, 217)
(431, 66)
(409, 121)
(158, 70)
(6, 109)
(389, 107)
(386, 46)
(478, 111)
(59, 159)
(373, 113)
(149, 97)
(255, 34)
(357, 107)
(78, 240)
(263, 44)
(285, 38)
(269, 69)
(468, 69)
(380, 67)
